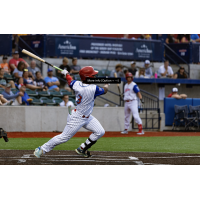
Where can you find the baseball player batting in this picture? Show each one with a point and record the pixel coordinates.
(131, 91)
(81, 115)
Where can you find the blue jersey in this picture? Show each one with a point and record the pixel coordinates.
(85, 96)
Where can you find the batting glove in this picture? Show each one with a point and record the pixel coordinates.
(142, 101)
(64, 72)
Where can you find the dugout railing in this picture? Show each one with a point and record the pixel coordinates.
(149, 111)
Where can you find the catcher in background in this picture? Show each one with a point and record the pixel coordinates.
(131, 91)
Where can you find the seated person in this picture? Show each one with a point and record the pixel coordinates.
(4, 80)
(4, 102)
(118, 71)
(66, 102)
(175, 94)
(148, 70)
(25, 98)
(74, 67)
(18, 71)
(52, 82)
(40, 82)
(33, 69)
(133, 69)
(180, 73)
(8, 94)
(27, 81)
(141, 73)
(58, 72)
(165, 70)
(5, 65)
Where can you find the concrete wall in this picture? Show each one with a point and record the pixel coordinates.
(48, 119)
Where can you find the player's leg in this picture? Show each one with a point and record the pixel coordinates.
(134, 109)
(97, 130)
(74, 123)
(127, 113)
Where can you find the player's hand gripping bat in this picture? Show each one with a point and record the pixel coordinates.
(38, 58)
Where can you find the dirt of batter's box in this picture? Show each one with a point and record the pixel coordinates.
(55, 157)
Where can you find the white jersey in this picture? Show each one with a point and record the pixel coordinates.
(130, 91)
(85, 96)
(69, 103)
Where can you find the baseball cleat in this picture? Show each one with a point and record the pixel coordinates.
(124, 132)
(140, 133)
(81, 152)
(38, 152)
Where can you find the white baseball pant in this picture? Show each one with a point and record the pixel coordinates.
(74, 122)
(131, 106)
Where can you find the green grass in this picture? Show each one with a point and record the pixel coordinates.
(143, 144)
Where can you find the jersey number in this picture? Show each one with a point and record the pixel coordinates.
(79, 99)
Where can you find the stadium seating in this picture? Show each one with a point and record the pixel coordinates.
(65, 92)
(31, 93)
(8, 76)
(47, 101)
(36, 101)
(104, 72)
(14, 90)
(44, 94)
(57, 100)
(54, 93)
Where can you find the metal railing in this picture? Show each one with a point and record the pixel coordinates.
(178, 57)
(151, 109)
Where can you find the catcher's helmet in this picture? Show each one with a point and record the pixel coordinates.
(129, 75)
(87, 72)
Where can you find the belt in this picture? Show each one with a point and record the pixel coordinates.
(83, 115)
(128, 100)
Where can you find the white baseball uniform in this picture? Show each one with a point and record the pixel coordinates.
(131, 103)
(80, 117)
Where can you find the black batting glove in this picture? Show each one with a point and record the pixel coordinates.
(142, 101)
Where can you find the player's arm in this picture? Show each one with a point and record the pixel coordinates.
(137, 91)
(70, 80)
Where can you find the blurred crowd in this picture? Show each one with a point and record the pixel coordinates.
(146, 71)
(20, 75)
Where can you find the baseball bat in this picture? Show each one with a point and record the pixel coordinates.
(115, 74)
(38, 58)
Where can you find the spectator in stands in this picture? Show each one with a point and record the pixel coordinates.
(142, 37)
(8, 94)
(133, 69)
(18, 72)
(125, 36)
(171, 39)
(13, 63)
(118, 71)
(52, 82)
(148, 70)
(148, 37)
(183, 38)
(175, 94)
(125, 71)
(141, 73)
(4, 102)
(58, 72)
(66, 102)
(194, 38)
(5, 65)
(33, 69)
(40, 82)
(165, 70)
(4, 80)
(180, 73)
(25, 98)
(74, 67)
(28, 81)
